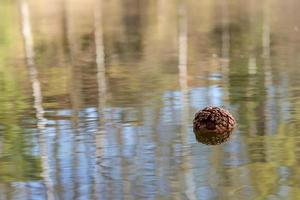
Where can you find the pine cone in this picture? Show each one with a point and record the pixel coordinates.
(213, 125)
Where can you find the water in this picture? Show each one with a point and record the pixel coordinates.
(97, 99)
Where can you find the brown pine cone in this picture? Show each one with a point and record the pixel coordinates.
(213, 125)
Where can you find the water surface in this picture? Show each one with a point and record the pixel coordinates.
(97, 99)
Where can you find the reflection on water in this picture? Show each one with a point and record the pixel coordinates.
(98, 97)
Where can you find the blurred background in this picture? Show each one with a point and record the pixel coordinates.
(97, 98)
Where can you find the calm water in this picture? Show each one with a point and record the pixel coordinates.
(97, 99)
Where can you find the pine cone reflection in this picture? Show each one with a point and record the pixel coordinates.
(213, 125)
